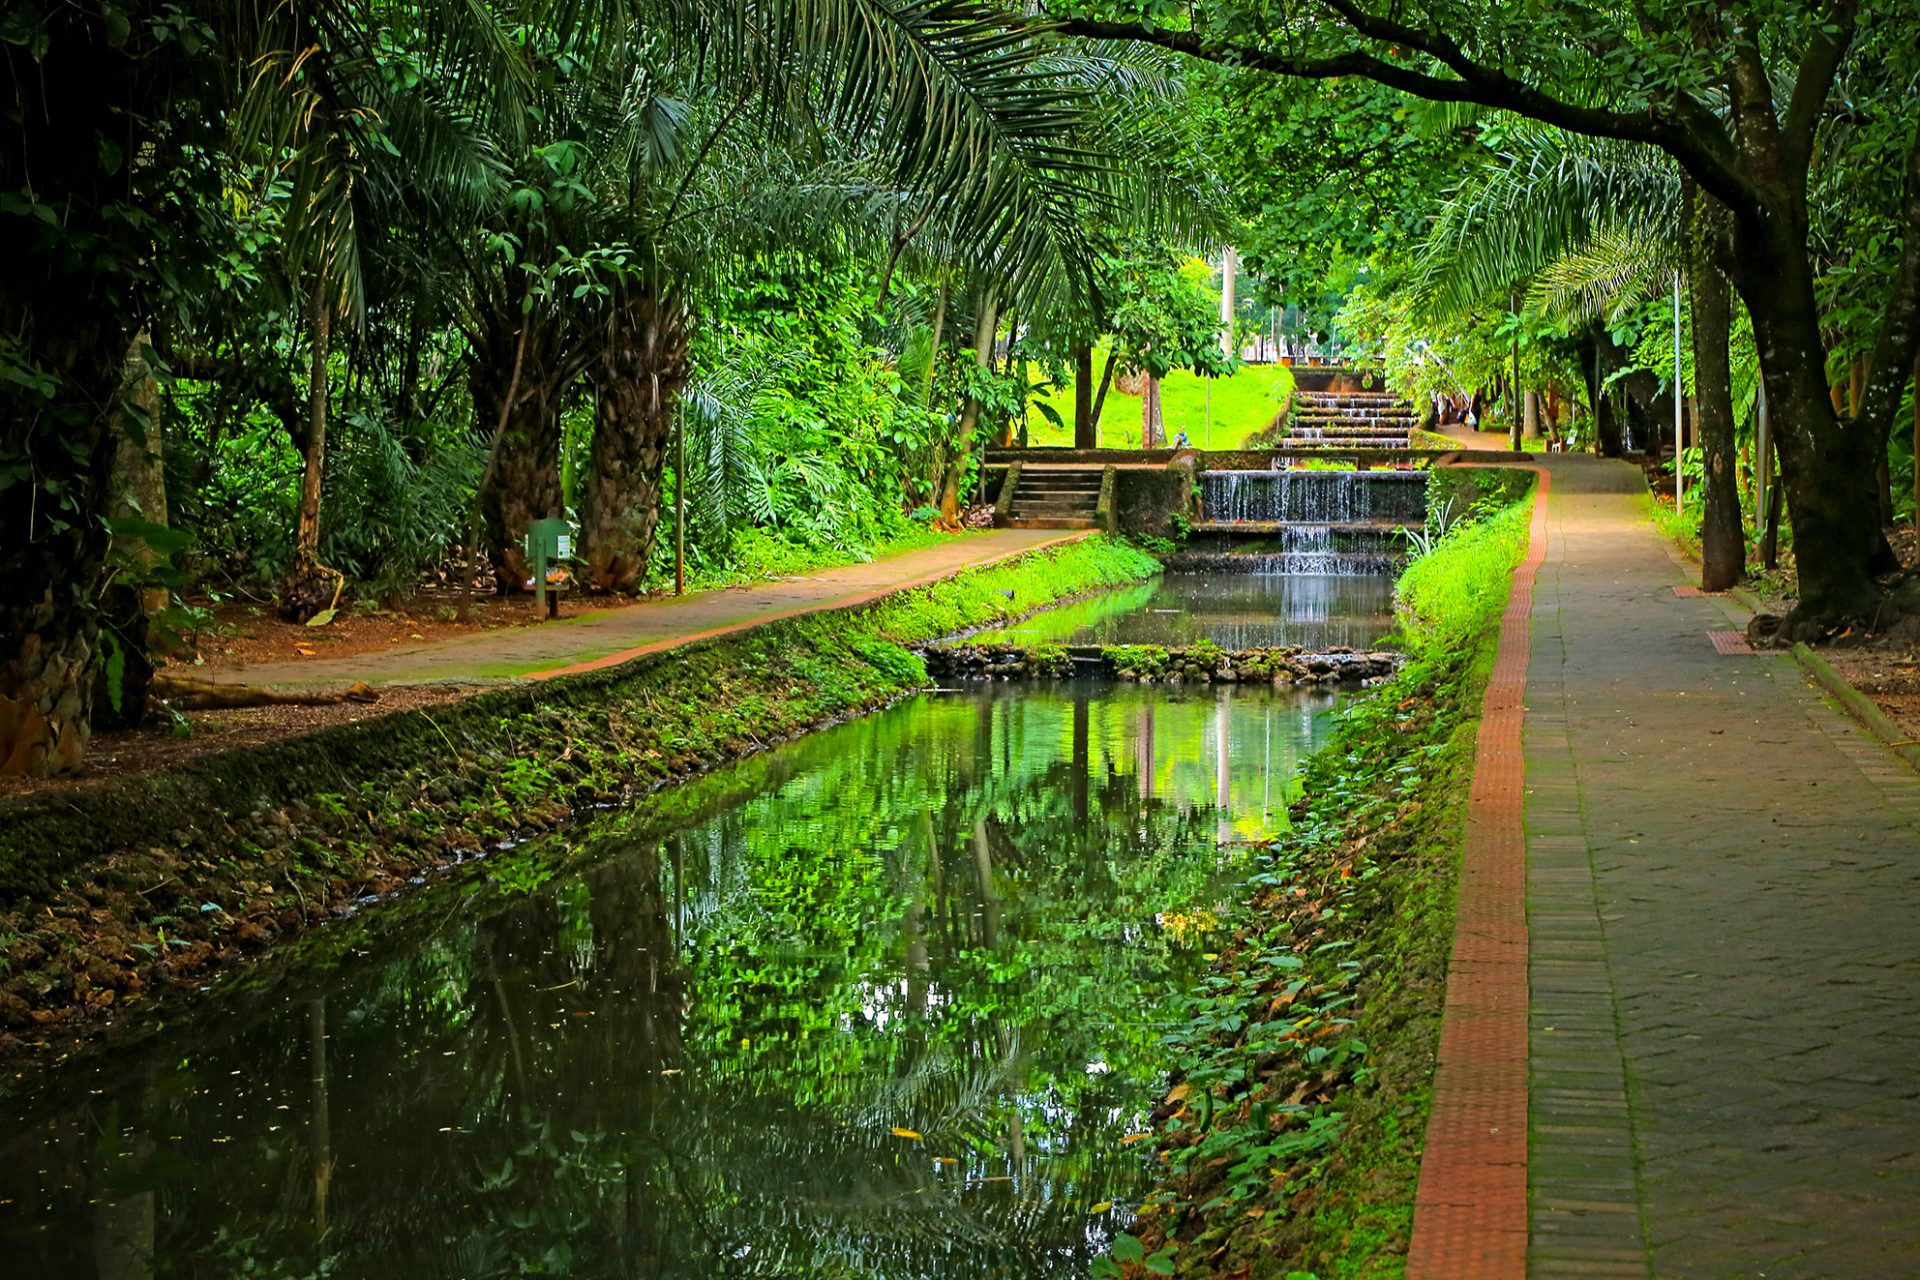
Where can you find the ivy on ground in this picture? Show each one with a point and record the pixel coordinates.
(1291, 1132)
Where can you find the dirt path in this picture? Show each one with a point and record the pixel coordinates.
(1723, 874)
(604, 637)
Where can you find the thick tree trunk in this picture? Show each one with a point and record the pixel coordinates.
(636, 386)
(72, 312)
(1153, 428)
(138, 491)
(1822, 467)
(522, 482)
(1086, 428)
(310, 586)
(1723, 545)
(986, 324)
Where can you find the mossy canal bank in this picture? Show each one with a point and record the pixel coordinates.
(1292, 1131)
(886, 1001)
(131, 888)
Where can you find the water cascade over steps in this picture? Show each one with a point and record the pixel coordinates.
(1304, 522)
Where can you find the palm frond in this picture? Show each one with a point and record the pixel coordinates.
(1541, 199)
(1604, 277)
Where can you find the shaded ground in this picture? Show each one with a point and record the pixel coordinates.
(244, 634)
(418, 661)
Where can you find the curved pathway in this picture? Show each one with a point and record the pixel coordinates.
(605, 637)
(1723, 924)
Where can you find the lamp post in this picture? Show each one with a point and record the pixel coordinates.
(1514, 439)
(1679, 441)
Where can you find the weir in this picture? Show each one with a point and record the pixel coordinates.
(1304, 522)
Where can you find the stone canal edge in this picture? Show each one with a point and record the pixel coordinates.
(1470, 1211)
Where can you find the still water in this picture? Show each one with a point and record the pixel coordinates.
(1234, 610)
(883, 1002)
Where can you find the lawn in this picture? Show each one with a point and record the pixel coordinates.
(1235, 407)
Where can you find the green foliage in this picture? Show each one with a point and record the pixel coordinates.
(1453, 594)
(1301, 1062)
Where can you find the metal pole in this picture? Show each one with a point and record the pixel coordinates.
(1763, 465)
(1679, 441)
(1515, 438)
(679, 504)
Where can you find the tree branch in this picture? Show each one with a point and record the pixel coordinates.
(1812, 83)
(1692, 137)
(1895, 347)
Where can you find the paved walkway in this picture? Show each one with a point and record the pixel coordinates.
(1724, 910)
(605, 637)
(1723, 924)
(1723, 946)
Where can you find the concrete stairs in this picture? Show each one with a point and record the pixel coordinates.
(1053, 498)
(1348, 420)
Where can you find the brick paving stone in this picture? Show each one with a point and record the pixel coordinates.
(1723, 885)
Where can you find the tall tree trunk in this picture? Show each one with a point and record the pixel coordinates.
(1086, 428)
(72, 314)
(1723, 545)
(1106, 383)
(1821, 465)
(309, 586)
(1606, 421)
(986, 323)
(138, 491)
(636, 387)
(1152, 421)
(522, 482)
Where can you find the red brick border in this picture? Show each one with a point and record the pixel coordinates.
(1470, 1213)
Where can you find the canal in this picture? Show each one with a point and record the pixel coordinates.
(882, 1002)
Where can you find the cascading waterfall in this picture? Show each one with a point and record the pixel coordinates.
(1305, 522)
(1314, 497)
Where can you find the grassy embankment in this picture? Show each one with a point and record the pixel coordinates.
(1238, 406)
(1293, 1129)
(110, 894)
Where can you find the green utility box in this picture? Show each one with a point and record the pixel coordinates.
(548, 543)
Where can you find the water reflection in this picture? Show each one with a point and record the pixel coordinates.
(1234, 610)
(884, 1003)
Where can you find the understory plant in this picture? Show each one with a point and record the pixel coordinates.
(1291, 1129)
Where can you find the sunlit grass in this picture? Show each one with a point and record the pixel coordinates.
(1218, 413)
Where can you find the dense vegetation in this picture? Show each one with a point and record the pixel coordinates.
(1581, 155)
(103, 905)
(313, 301)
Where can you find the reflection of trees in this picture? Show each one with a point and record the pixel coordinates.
(691, 1058)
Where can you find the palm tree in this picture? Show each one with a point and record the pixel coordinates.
(952, 100)
(1588, 227)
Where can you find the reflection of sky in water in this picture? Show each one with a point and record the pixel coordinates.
(883, 1001)
(1234, 610)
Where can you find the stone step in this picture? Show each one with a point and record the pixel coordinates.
(1050, 522)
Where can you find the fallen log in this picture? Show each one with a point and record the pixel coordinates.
(184, 693)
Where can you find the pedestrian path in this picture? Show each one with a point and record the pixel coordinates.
(1724, 885)
(1723, 933)
(604, 637)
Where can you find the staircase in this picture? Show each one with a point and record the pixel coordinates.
(1348, 420)
(1053, 498)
